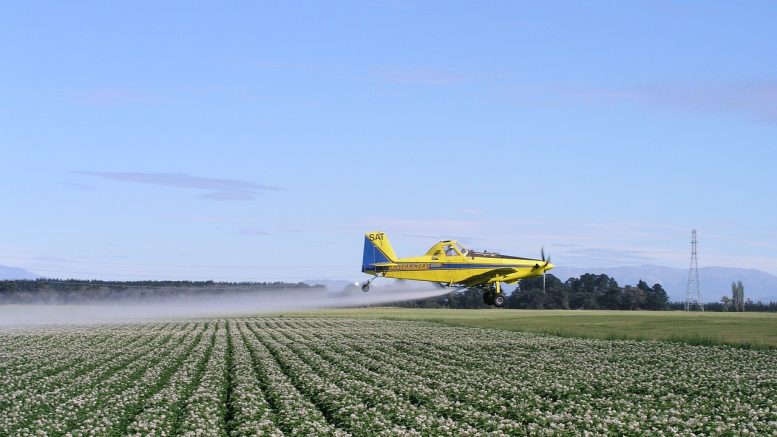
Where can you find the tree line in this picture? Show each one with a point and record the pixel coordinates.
(747, 306)
(589, 291)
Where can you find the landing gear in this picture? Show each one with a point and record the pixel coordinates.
(366, 285)
(494, 296)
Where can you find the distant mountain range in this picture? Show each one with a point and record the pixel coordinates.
(715, 282)
(11, 273)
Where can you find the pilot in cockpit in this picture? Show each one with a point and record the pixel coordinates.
(451, 250)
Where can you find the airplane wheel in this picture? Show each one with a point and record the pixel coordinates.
(366, 288)
(488, 297)
(499, 300)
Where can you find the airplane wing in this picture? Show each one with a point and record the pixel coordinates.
(483, 278)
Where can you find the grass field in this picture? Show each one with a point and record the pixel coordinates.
(327, 376)
(757, 330)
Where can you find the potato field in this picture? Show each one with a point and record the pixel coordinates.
(330, 376)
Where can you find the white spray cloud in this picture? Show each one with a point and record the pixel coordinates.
(211, 305)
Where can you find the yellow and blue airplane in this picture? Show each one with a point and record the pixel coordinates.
(449, 264)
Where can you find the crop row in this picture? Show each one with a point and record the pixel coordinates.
(339, 377)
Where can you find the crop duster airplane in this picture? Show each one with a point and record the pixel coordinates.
(449, 264)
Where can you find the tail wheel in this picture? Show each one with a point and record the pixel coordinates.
(499, 300)
(366, 287)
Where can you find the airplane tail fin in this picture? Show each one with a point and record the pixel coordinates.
(377, 249)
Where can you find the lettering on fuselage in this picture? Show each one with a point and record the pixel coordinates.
(410, 266)
(376, 237)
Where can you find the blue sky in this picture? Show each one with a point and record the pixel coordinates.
(259, 141)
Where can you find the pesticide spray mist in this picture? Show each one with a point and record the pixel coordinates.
(212, 305)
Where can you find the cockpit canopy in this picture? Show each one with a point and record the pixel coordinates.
(447, 248)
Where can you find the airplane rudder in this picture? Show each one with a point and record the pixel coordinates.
(382, 252)
(368, 256)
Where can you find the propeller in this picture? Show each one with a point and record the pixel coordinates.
(543, 267)
(542, 254)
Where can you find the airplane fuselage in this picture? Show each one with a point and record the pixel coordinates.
(455, 267)
(455, 270)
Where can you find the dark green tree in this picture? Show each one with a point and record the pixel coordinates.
(611, 299)
(529, 294)
(585, 291)
(527, 299)
(556, 294)
(656, 298)
(633, 298)
(469, 298)
(738, 295)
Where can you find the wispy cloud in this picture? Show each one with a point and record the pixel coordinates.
(217, 189)
(441, 237)
(754, 99)
(596, 257)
